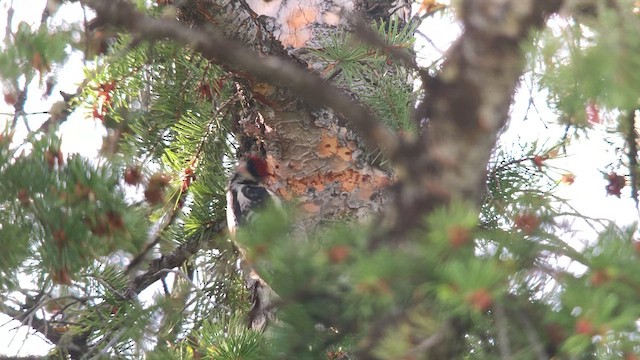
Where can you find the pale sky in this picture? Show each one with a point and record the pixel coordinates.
(81, 134)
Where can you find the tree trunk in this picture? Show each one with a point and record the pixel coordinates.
(314, 158)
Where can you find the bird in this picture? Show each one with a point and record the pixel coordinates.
(247, 195)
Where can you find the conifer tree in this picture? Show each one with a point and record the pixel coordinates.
(409, 234)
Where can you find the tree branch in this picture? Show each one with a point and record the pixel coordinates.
(213, 45)
(74, 348)
(467, 104)
(158, 267)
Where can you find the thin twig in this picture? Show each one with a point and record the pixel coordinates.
(426, 344)
(532, 336)
(502, 326)
(428, 40)
(25, 114)
(632, 143)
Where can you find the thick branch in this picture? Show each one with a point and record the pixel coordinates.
(75, 348)
(469, 101)
(213, 45)
(632, 153)
(467, 104)
(157, 268)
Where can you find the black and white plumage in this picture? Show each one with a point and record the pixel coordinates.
(247, 193)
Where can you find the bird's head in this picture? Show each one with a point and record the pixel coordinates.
(253, 168)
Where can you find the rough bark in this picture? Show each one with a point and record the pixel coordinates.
(467, 104)
(314, 159)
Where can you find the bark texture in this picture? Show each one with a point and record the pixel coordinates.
(467, 104)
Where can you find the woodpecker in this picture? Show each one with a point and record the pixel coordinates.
(247, 193)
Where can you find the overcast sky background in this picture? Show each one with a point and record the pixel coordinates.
(585, 158)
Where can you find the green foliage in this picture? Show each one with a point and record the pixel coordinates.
(229, 339)
(334, 287)
(182, 125)
(70, 211)
(592, 63)
(373, 74)
(521, 197)
(165, 108)
(33, 51)
(226, 338)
